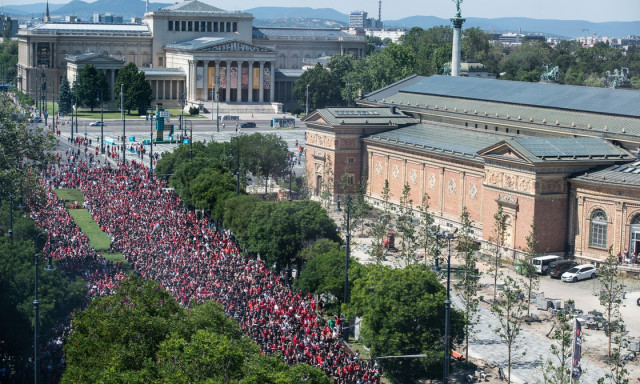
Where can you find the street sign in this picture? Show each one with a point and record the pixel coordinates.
(164, 114)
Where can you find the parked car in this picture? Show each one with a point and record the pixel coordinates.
(249, 124)
(97, 124)
(580, 272)
(36, 119)
(557, 268)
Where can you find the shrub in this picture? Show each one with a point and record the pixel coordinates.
(194, 110)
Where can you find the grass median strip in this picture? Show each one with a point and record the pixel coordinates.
(97, 238)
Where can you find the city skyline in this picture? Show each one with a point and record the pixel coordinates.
(589, 10)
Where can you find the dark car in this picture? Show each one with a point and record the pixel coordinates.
(557, 268)
(36, 119)
(248, 124)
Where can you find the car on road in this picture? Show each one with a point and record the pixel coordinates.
(557, 268)
(36, 119)
(248, 124)
(97, 123)
(580, 272)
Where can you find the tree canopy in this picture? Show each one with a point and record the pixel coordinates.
(137, 90)
(402, 313)
(141, 334)
(92, 87)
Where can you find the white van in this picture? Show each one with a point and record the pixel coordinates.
(541, 264)
(229, 117)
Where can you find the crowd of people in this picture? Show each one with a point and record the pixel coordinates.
(193, 260)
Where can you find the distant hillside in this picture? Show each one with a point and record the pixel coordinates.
(563, 28)
(268, 13)
(307, 17)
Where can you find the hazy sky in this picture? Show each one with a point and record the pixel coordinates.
(591, 10)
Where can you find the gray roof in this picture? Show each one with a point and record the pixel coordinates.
(490, 112)
(627, 175)
(264, 33)
(190, 6)
(553, 149)
(439, 139)
(167, 72)
(90, 28)
(291, 73)
(571, 97)
(342, 116)
(198, 43)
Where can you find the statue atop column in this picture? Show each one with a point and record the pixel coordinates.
(458, 2)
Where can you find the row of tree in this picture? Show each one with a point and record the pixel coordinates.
(428, 52)
(90, 89)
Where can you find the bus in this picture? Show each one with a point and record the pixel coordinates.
(283, 122)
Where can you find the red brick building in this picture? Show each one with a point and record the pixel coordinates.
(542, 151)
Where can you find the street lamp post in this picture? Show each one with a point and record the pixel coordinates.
(43, 94)
(306, 110)
(36, 308)
(217, 89)
(290, 175)
(347, 236)
(150, 147)
(449, 235)
(124, 143)
(101, 122)
(238, 169)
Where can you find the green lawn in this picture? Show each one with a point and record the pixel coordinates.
(95, 115)
(70, 195)
(98, 239)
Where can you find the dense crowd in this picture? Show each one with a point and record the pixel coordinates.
(193, 260)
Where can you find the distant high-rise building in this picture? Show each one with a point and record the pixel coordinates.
(358, 19)
(107, 18)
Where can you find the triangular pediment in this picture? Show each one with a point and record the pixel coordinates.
(233, 46)
(503, 150)
(97, 59)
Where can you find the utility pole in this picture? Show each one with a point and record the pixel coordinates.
(101, 122)
(124, 143)
(151, 147)
(217, 106)
(306, 112)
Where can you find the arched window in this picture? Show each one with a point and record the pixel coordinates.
(635, 220)
(598, 233)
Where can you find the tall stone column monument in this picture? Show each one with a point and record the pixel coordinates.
(457, 37)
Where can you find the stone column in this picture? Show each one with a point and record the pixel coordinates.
(228, 89)
(189, 81)
(206, 80)
(261, 83)
(456, 50)
(216, 83)
(113, 80)
(272, 82)
(250, 85)
(157, 88)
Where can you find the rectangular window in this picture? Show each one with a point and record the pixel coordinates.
(506, 130)
(215, 26)
(496, 129)
(351, 160)
(350, 180)
(598, 236)
(171, 25)
(184, 25)
(518, 132)
(476, 125)
(228, 26)
(189, 26)
(486, 126)
(202, 26)
(208, 26)
(177, 25)
(466, 124)
(196, 26)
(160, 62)
(235, 27)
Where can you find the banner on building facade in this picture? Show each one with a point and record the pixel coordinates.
(256, 78)
(199, 77)
(234, 77)
(211, 75)
(576, 369)
(267, 78)
(245, 78)
(222, 77)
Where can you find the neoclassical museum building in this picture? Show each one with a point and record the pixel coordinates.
(188, 49)
(562, 157)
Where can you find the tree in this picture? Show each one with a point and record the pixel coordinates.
(324, 89)
(324, 270)
(406, 229)
(211, 187)
(497, 240)
(475, 44)
(262, 155)
(92, 87)
(402, 314)
(469, 283)
(58, 295)
(237, 214)
(137, 90)
(65, 98)
(611, 289)
(529, 271)
(279, 231)
(141, 334)
(381, 226)
(509, 309)
(618, 372)
(558, 371)
(426, 235)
